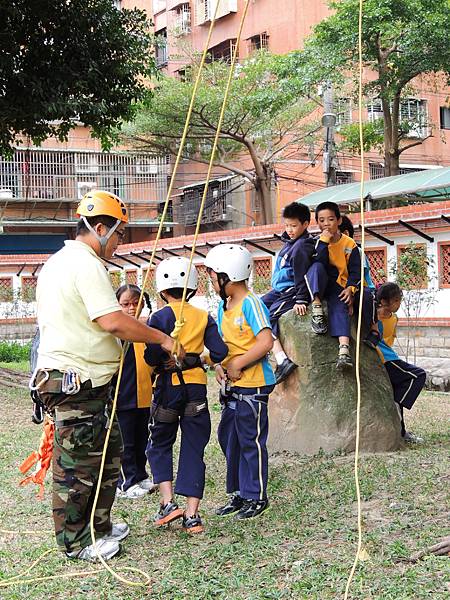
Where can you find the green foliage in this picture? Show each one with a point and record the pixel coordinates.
(372, 137)
(412, 267)
(265, 105)
(69, 61)
(400, 41)
(14, 352)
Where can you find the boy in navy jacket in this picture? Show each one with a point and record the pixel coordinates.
(289, 288)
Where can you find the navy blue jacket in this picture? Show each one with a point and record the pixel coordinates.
(293, 261)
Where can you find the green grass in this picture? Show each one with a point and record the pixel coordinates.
(17, 365)
(302, 548)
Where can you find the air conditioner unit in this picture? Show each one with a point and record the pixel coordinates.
(146, 166)
(83, 187)
(86, 163)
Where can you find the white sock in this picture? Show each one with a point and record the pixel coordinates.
(279, 357)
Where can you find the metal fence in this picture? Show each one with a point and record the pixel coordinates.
(54, 175)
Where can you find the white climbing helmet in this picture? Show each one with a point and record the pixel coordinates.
(231, 259)
(171, 273)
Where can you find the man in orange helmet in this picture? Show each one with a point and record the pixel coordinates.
(81, 325)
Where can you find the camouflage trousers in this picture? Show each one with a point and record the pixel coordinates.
(80, 430)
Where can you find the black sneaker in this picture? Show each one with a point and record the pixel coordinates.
(411, 438)
(234, 504)
(344, 361)
(318, 324)
(372, 339)
(193, 524)
(252, 508)
(283, 371)
(167, 513)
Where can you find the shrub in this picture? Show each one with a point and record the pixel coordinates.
(14, 352)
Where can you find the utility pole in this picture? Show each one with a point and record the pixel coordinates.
(329, 123)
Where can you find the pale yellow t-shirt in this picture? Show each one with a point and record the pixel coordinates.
(73, 289)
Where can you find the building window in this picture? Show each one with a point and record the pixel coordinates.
(205, 9)
(343, 111)
(6, 289)
(343, 177)
(258, 42)
(161, 48)
(215, 209)
(376, 170)
(374, 110)
(412, 266)
(413, 116)
(116, 279)
(203, 280)
(262, 275)
(223, 51)
(131, 277)
(445, 117)
(444, 265)
(377, 258)
(29, 289)
(183, 19)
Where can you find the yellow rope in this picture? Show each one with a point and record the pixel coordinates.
(18, 579)
(360, 553)
(179, 323)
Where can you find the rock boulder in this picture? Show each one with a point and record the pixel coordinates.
(315, 408)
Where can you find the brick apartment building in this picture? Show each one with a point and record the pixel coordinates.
(39, 187)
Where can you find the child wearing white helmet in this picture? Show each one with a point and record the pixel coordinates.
(246, 379)
(180, 396)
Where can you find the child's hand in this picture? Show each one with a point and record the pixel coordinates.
(347, 296)
(326, 235)
(300, 309)
(220, 374)
(233, 371)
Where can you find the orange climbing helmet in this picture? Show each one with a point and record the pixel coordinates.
(98, 202)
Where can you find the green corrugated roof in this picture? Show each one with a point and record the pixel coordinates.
(432, 184)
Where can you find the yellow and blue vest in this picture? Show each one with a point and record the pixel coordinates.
(239, 327)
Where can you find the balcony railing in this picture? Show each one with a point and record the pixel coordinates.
(65, 176)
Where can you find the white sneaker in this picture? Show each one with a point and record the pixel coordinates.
(118, 533)
(147, 484)
(135, 491)
(104, 547)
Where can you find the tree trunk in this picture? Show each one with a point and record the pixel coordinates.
(264, 193)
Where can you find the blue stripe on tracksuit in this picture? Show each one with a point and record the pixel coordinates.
(407, 383)
(243, 438)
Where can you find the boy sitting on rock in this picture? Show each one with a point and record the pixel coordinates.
(289, 289)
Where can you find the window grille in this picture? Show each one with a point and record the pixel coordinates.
(161, 48)
(343, 111)
(343, 177)
(416, 278)
(444, 112)
(376, 171)
(116, 279)
(29, 289)
(259, 42)
(131, 277)
(223, 51)
(6, 289)
(203, 280)
(183, 19)
(54, 176)
(444, 262)
(262, 275)
(378, 264)
(413, 115)
(215, 209)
